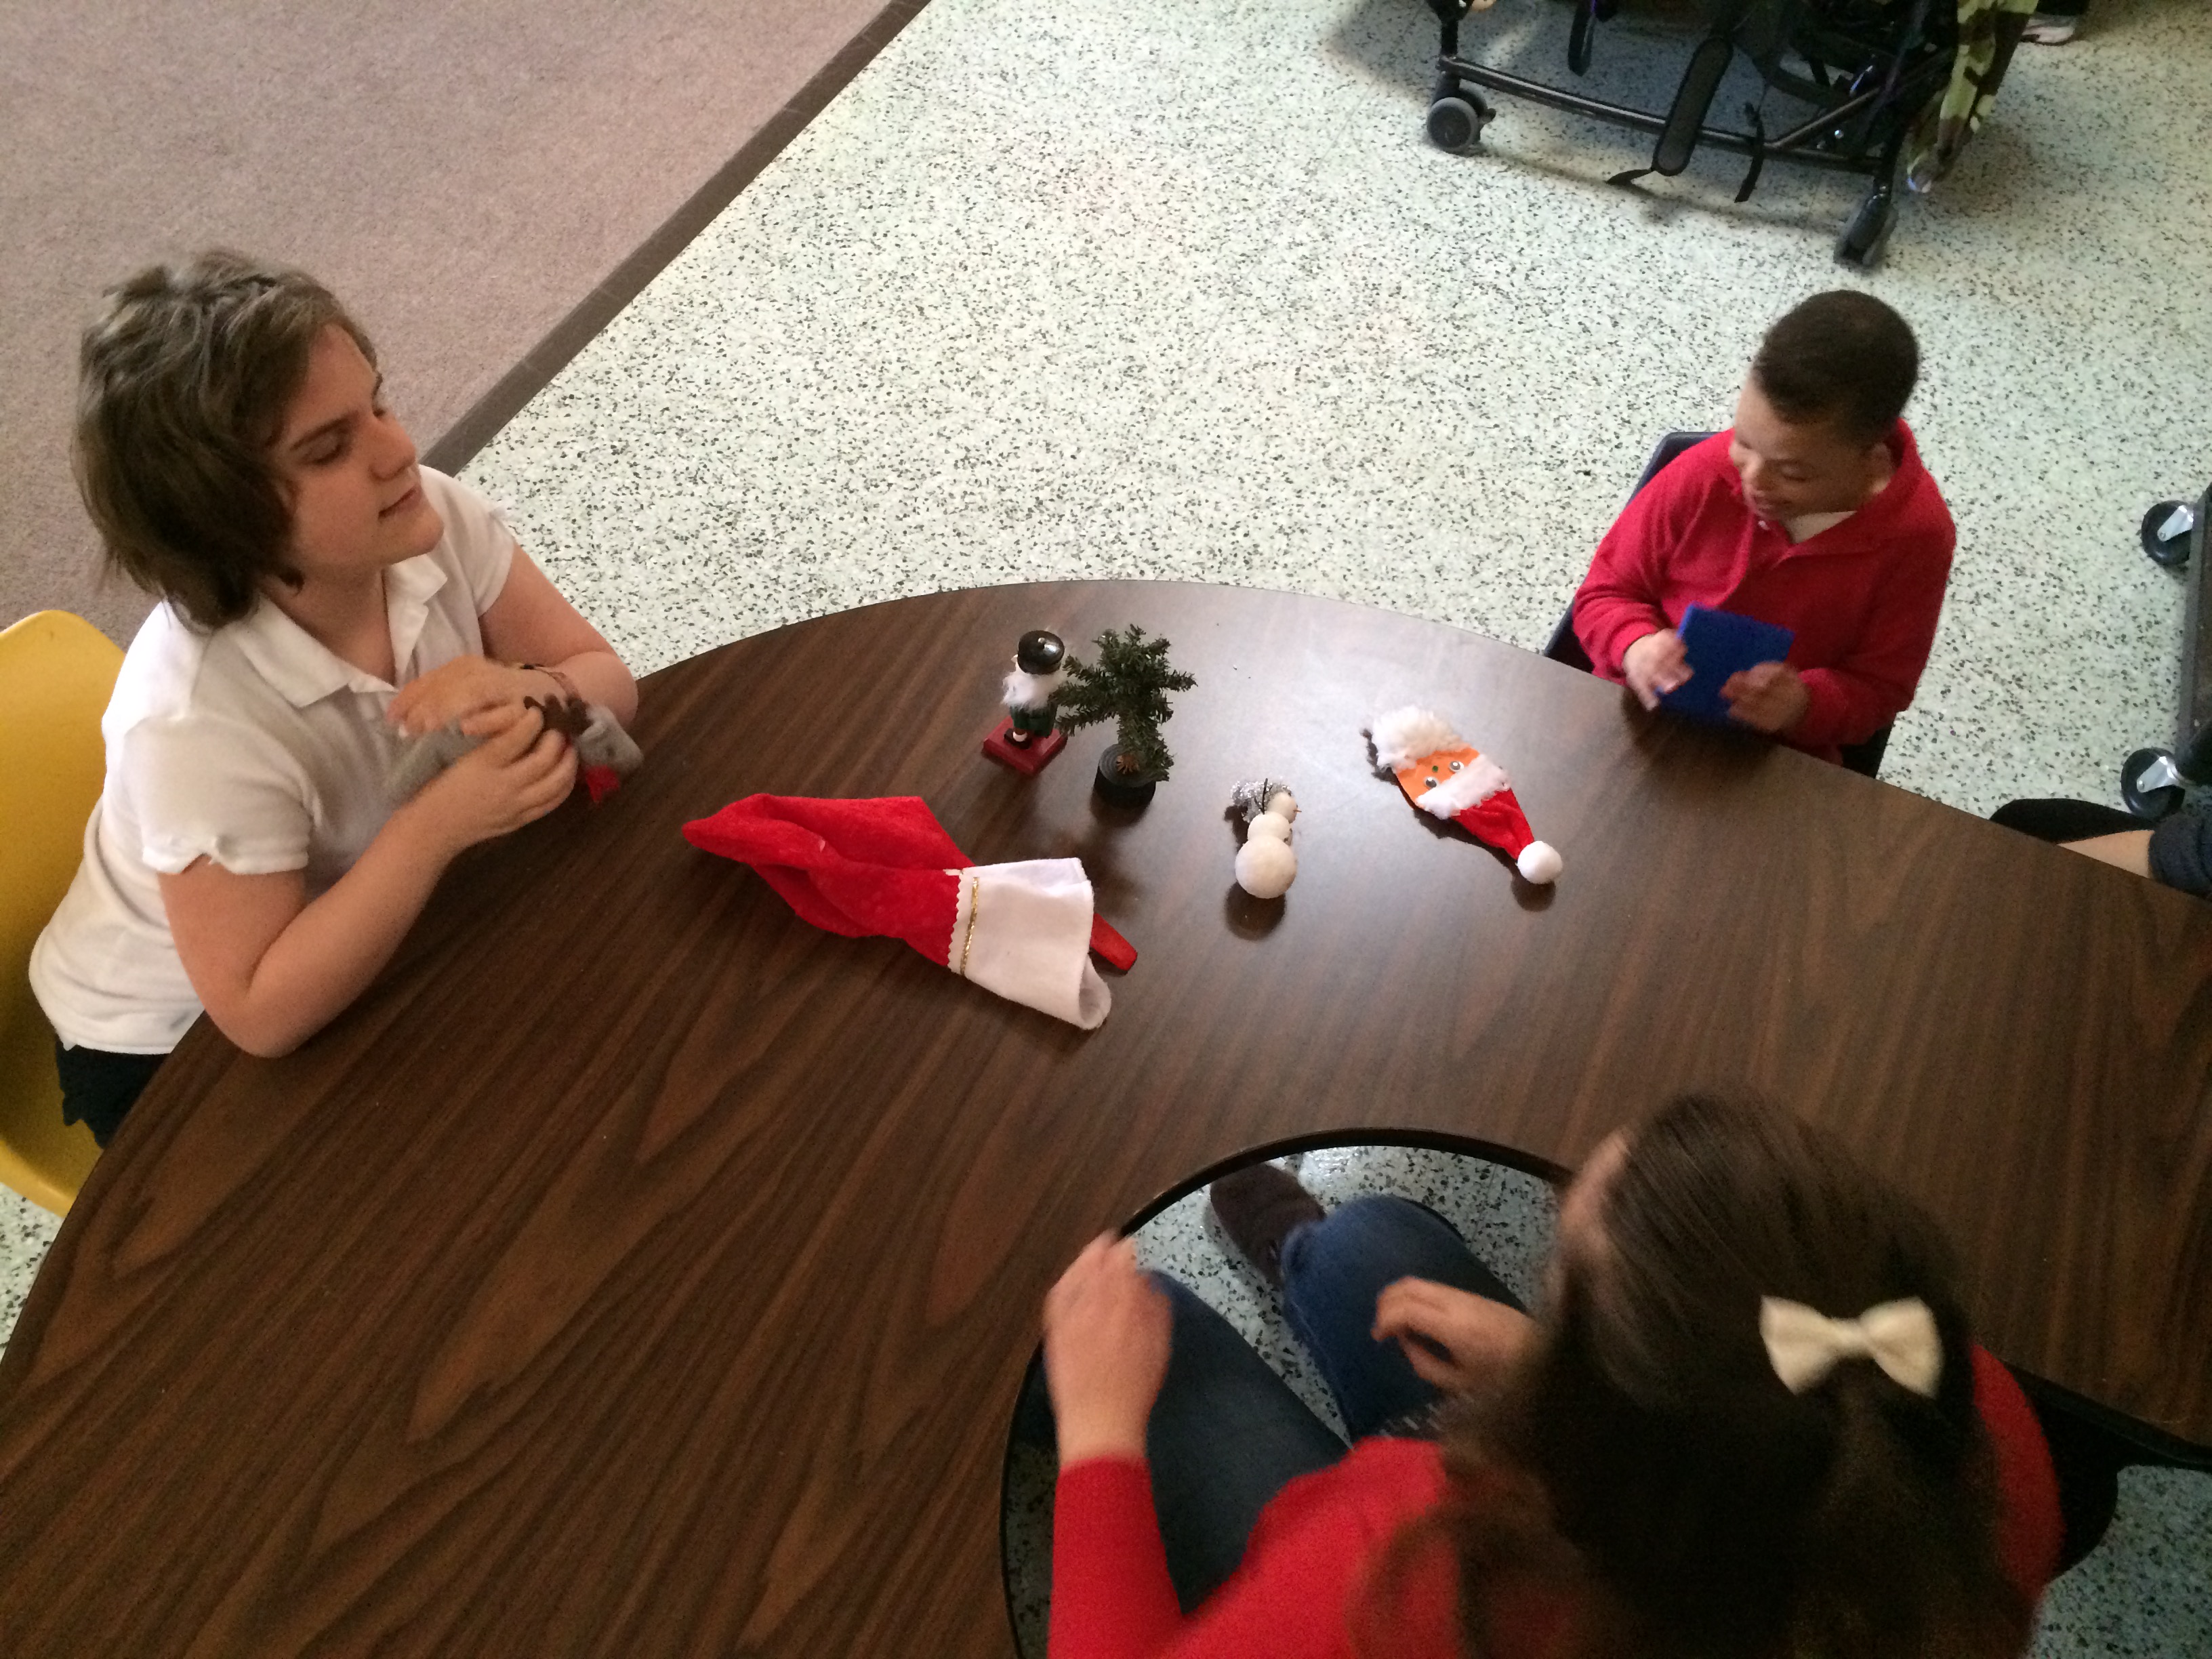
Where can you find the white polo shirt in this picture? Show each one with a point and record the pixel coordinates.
(253, 745)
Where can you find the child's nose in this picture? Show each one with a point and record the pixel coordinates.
(396, 450)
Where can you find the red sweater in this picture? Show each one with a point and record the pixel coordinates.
(1310, 1551)
(1863, 595)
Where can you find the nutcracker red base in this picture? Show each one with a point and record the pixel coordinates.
(1027, 758)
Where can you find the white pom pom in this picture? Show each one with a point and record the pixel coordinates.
(1266, 867)
(1538, 862)
(1284, 805)
(1269, 826)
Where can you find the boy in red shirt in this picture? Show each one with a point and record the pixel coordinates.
(1813, 513)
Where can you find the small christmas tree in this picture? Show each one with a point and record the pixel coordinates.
(1128, 686)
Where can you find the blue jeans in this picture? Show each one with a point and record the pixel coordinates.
(1227, 1434)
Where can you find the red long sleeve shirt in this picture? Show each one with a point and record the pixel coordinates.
(1313, 1548)
(1863, 595)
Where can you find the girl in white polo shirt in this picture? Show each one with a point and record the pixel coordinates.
(324, 596)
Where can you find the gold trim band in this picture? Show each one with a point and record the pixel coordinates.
(975, 902)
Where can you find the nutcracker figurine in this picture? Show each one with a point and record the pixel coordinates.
(1026, 739)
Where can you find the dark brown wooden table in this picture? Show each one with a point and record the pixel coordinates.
(637, 1271)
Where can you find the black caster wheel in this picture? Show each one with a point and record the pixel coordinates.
(1867, 233)
(2151, 785)
(1455, 124)
(2165, 533)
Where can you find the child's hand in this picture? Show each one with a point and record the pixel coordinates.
(1107, 1329)
(1656, 665)
(1768, 697)
(464, 687)
(519, 773)
(2125, 849)
(1453, 1339)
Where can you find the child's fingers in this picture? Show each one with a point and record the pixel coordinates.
(544, 795)
(549, 782)
(485, 719)
(1080, 1276)
(551, 756)
(510, 741)
(1437, 1373)
(544, 756)
(422, 706)
(1406, 1305)
(537, 793)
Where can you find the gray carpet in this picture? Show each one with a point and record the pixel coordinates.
(465, 177)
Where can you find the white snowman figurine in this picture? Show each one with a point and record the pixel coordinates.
(1265, 865)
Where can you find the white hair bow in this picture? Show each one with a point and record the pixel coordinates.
(1804, 1345)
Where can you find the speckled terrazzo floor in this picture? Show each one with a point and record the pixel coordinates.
(1177, 289)
(1173, 287)
(25, 1231)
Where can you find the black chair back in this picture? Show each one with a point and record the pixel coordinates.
(1563, 646)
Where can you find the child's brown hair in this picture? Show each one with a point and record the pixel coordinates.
(183, 383)
(1841, 358)
(1646, 1465)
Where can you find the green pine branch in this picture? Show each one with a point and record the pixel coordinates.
(1128, 685)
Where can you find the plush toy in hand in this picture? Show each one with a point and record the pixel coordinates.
(1443, 776)
(605, 754)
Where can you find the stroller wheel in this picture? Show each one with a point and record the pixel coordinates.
(2166, 529)
(1864, 238)
(1455, 124)
(2149, 784)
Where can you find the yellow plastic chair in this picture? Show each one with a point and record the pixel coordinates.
(57, 672)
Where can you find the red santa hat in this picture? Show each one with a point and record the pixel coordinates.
(1442, 774)
(886, 868)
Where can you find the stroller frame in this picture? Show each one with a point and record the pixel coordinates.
(1860, 122)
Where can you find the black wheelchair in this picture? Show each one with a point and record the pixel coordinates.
(1864, 70)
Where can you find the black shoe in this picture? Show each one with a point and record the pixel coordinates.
(1258, 1206)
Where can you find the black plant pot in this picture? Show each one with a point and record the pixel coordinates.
(1119, 789)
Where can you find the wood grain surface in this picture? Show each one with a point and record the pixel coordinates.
(636, 1270)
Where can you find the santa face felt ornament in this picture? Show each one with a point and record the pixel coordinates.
(886, 868)
(1442, 774)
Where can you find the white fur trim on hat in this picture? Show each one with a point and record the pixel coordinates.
(1461, 790)
(1023, 930)
(1404, 735)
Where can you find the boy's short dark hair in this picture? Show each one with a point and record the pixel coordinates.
(182, 387)
(1843, 358)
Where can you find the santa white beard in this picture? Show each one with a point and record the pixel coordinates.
(1024, 690)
